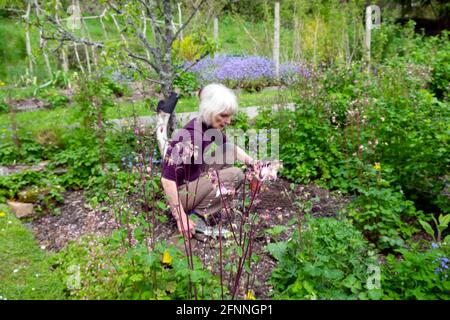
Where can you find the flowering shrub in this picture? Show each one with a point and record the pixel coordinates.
(246, 71)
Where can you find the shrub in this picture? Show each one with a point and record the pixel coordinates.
(385, 217)
(417, 275)
(188, 84)
(329, 261)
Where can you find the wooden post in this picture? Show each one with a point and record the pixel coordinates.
(86, 51)
(124, 40)
(371, 23)
(316, 31)
(276, 41)
(27, 38)
(86, 33)
(216, 29)
(78, 57)
(105, 33)
(297, 40)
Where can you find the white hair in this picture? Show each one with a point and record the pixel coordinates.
(215, 99)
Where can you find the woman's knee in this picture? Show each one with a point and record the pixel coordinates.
(234, 174)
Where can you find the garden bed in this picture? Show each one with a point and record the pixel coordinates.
(76, 219)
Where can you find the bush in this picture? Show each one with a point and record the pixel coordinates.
(385, 217)
(346, 120)
(329, 261)
(417, 275)
(55, 98)
(188, 84)
(308, 151)
(81, 158)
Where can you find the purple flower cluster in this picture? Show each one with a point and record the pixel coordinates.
(292, 72)
(246, 69)
(444, 265)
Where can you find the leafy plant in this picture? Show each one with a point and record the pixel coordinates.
(385, 217)
(329, 261)
(417, 275)
(441, 225)
(109, 270)
(188, 84)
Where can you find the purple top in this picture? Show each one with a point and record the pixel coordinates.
(184, 160)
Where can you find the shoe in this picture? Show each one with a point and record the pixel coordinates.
(203, 228)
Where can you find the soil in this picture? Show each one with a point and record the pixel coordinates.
(275, 203)
(28, 104)
(76, 219)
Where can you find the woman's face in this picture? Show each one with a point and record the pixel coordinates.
(221, 120)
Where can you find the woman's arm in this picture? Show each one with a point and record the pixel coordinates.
(171, 190)
(243, 157)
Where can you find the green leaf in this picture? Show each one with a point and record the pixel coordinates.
(277, 250)
(136, 278)
(427, 227)
(444, 221)
(161, 205)
(277, 230)
(239, 251)
(308, 286)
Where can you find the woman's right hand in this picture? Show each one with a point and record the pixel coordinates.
(186, 228)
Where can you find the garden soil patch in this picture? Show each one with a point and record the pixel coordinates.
(276, 202)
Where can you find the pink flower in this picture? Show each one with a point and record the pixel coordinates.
(224, 191)
(212, 175)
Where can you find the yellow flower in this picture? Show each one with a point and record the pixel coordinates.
(250, 296)
(167, 259)
(2, 83)
(2, 214)
(377, 166)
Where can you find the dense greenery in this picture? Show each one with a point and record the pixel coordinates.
(376, 132)
(328, 260)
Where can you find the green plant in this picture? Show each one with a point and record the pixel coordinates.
(54, 97)
(108, 269)
(188, 84)
(187, 49)
(80, 160)
(420, 275)
(441, 225)
(385, 217)
(329, 261)
(41, 188)
(308, 150)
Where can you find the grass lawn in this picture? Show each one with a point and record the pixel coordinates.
(25, 269)
(35, 121)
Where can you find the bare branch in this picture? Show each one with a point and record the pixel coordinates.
(144, 59)
(134, 67)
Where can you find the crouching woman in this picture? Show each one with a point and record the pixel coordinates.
(201, 147)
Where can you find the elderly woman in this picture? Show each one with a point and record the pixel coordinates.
(199, 148)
